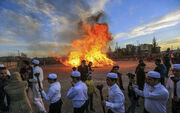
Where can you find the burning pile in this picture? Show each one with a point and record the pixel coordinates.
(91, 47)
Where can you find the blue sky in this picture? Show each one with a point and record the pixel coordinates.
(37, 27)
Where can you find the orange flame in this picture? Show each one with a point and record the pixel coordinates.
(91, 47)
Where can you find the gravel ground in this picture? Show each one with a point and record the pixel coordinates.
(99, 77)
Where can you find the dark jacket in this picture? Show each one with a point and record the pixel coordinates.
(4, 99)
(131, 93)
(140, 78)
(84, 72)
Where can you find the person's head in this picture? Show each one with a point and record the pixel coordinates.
(111, 79)
(76, 76)
(35, 62)
(176, 70)
(52, 78)
(115, 68)
(74, 68)
(158, 61)
(83, 62)
(142, 66)
(26, 63)
(90, 64)
(3, 71)
(153, 78)
(131, 77)
(141, 61)
(89, 77)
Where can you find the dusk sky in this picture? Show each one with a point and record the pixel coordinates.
(37, 27)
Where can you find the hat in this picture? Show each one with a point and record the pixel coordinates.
(176, 66)
(52, 76)
(112, 75)
(76, 74)
(35, 61)
(36, 71)
(153, 74)
(2, 65)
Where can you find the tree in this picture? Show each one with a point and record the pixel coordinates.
(154, 45)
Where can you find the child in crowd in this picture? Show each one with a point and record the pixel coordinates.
(91, 91)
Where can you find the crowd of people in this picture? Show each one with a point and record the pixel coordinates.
(150, 86)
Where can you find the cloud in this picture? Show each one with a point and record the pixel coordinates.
(168, 20)
(43, 25)
(173, 44)
(6, 42)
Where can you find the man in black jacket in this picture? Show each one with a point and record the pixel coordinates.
(83, 69)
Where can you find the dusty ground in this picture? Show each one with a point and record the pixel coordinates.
(99, 76)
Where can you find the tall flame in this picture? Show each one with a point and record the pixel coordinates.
(92, 47)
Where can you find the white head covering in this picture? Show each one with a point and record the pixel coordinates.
(2, 65)
(112, 75)
(76, 74)
(36, 71)
(52, 76)
(35, 61)
(176, 66)
(153, 74)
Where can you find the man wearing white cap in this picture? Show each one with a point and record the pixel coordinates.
(154, 93)
(78, 93)
(173, 85)
(54, 94)
(37, 83)
(116, 99)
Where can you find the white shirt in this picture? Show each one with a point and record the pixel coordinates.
(116, 99)
(155, 98)
(78, 94)
(36, 93)
(54, 93)
(170, 87)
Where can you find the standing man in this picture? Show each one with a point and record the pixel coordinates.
(90, 70)
(173, 84)
(138, 66)
(37, 74)
(54, 94)
(27, 73)
(4, 103)
(166, 61)
(115, 69)
(83, 69)
(78, 93)
(116, 99)
(140, 76)
(161, 68)
(154, 93)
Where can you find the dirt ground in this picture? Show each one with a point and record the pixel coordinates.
(99, 77)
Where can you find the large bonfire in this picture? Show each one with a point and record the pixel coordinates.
(91, 47)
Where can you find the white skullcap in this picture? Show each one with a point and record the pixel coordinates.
(112, 75)
(153, 74)
(176, 66)
(52, 76)
(35, 61)
(2, 65)
(36, 71)
(76, 74)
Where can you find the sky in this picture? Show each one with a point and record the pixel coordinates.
(37, 27)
